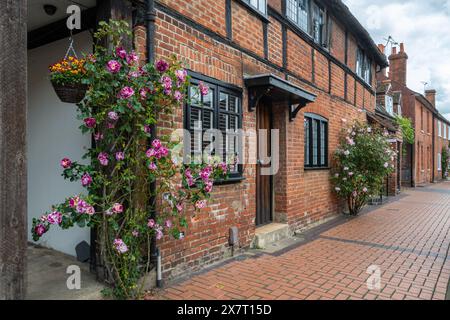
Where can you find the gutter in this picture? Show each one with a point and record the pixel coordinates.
(150, 18)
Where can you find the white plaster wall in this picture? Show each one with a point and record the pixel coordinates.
(52, 135)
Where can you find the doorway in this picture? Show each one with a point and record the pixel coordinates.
(264, 181)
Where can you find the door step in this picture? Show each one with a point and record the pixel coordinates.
(270, 234)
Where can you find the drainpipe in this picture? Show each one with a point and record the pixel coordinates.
(433, 152)
(150, 17)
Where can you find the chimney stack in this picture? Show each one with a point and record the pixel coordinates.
(383, 73)
(431, 96)
(398, 64)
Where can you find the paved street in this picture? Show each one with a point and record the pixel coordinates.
(408, 239)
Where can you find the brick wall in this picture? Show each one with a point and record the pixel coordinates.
(301, 197)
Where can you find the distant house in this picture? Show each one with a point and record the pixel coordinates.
(421, 163)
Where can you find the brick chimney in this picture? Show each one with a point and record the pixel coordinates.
(398, 65)
(431, 96)
(382, 75)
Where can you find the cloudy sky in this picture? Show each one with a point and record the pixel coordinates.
(424, 27)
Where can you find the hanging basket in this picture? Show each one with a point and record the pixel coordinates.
(70, 93)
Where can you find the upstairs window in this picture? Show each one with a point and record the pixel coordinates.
(316, 141)
(389, 105)
(318, 20)
(363, 66)
(310, 18)
(298, 12)
(445, 131)
(260, 5)
(220, 109)
(439, 128)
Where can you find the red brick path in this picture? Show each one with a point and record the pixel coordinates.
(408, 239)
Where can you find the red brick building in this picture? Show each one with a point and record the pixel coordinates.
(421, 162)
(301, 67)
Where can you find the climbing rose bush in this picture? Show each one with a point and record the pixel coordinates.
(123, 102)
(362, 161)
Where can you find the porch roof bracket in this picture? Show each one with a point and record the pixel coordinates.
(277, 90)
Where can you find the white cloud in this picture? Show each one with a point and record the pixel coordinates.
(423, 27)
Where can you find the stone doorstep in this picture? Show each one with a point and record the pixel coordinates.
(270, 234)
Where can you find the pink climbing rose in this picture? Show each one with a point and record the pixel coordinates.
(55, 218)
(86, 180)
(117, 208)
(90, 122)
(126, 92)
(121, 52)
(113, 66)
(120, 246)
(103, 158)
(66, 163)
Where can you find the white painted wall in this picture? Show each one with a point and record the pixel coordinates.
(52, 135)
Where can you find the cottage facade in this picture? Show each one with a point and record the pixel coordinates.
(315, 52)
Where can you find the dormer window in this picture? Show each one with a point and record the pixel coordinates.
(363, 66)
(389, 104)
(260, 5)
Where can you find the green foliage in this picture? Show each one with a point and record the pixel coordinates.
(445, 162)
(362, 161)
(406, 128)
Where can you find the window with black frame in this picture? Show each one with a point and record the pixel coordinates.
(260, 5)
(311, 18)
(316, 141)
(363, 66)
(220, 109)
(298, 12)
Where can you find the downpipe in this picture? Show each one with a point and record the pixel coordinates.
(150, 18)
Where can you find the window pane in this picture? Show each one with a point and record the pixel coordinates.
(208, 99)
(223, 101)
(315, 142)
(262, 6)
(291, 10)
(303, 15)
(233, 104)
(194, 97)
(307, 142)
(322, 144)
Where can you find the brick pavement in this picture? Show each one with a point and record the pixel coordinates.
(408, 239)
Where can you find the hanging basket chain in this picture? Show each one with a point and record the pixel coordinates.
(71, 48)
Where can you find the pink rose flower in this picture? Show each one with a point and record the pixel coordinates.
(151, 153)
(177, 95)
(152, 166)
(55, 218)
(151, 223)
(112, 115)
(113, 66)
(162, 66)
(74, 201)
(147, 129)
(86, 180)
(143, 93)
(179, 207)
(159, 234)
(209, 186)
(120, 246)
(135, 233)
(200, 204)
(168, 224)
(181, 76)
(90, 122)
(204, 89)
(120, 156)
(117, 208)
(121, 52)
(90, 210)
(66, 163)
(126, 92)
(40, 229)
(132, 58)
(103, 158)
(156, 143)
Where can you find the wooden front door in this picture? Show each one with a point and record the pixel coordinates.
(264, 182)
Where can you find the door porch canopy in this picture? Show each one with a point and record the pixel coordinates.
(277, 90)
